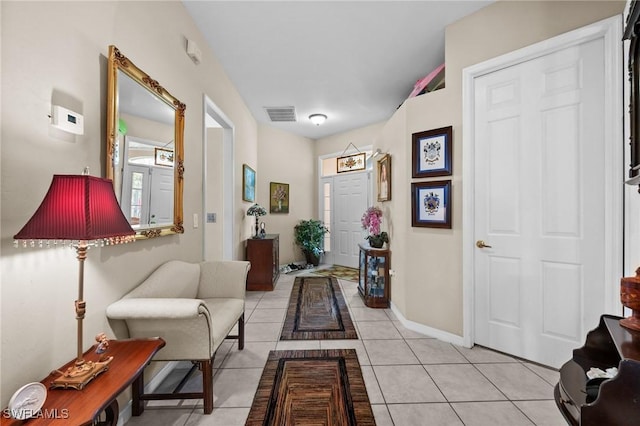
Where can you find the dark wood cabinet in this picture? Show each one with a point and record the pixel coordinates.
(614, 401)
(264, 254)
(373, 283)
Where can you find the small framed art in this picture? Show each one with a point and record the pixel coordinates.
(350, 163)
(431, 204)
(248, 184)
(384, 178)
(163, 157)
(278, 197)
(431, 153)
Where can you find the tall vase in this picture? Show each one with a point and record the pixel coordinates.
(257, 235)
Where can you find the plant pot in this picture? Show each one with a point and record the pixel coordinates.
(312, 258)
(376, 241)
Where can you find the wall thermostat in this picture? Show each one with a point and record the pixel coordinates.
(67, 120)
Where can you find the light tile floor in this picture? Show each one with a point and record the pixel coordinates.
(411, 379)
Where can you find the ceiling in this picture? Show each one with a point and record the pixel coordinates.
(354, 61)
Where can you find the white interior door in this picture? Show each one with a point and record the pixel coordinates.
(539, 176)
(349, 203)
(161, 200)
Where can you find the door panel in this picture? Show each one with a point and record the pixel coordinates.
(161, 202)
(351, 200)
(539, 174)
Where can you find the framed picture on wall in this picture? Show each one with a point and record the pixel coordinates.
(248, 184)
(163, 157)
(350, 163)
(431, 204)
(384, 178)
(278, 197)
(431, 153)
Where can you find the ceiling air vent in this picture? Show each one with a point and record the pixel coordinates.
(279, 114)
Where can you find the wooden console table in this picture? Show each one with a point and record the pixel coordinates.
(83, 407)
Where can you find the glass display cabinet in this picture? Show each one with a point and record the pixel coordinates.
(373, 283)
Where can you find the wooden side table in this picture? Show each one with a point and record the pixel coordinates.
(264, 254)
(83, 407)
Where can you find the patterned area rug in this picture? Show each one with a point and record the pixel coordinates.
(340, 272)
(311, 387)
(317, 311)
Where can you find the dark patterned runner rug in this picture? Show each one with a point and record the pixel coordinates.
(317, 311)
(311, 387)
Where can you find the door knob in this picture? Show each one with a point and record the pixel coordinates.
(481, 244)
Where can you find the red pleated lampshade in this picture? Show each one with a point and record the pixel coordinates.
(78, 207)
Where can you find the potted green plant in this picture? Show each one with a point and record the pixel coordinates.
(309, 235)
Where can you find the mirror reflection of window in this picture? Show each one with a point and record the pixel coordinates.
(136, 197)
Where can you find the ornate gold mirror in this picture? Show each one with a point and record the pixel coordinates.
(145, 148)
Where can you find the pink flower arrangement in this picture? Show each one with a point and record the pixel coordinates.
(371, 220)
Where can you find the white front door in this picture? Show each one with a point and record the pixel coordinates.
(539, 177)
(350, 201)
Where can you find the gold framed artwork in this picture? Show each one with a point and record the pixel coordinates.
(278, 197)
(384, 178)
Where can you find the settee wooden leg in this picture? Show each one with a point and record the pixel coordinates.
(241, 333)
(207, 385)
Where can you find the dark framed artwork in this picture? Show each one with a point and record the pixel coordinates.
(248, 184)
(278, 197)
(431, 204)
(350, 163)
(384, 178)
(632, 33)
(431, 153)
(163, 157)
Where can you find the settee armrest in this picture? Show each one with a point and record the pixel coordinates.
(223, 278)
(157, 308)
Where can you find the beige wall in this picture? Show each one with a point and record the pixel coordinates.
(213, 239)
(58, 50)
(286, 158)
(428, 286)
(364, 136)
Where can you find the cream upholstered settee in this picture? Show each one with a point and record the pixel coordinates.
(193, 307)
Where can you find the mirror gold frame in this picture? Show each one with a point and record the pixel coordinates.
(119, 62)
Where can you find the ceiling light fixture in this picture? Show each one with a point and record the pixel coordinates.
(317, 119)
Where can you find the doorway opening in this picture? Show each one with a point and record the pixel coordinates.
(343, 198)
(218, 183)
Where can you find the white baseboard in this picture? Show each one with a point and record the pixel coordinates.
(125, 412)
(427, 331)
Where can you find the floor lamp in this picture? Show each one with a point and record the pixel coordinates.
(79, 211)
